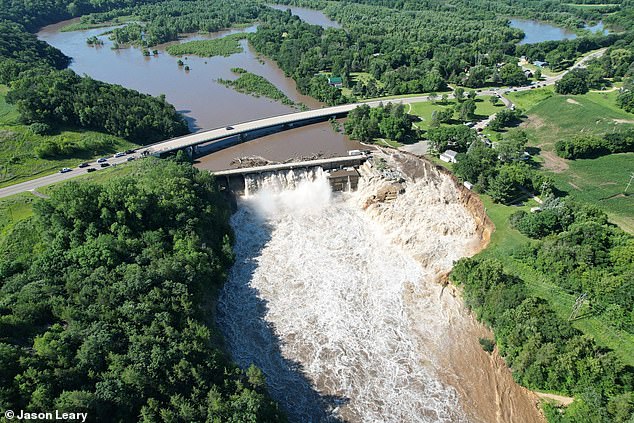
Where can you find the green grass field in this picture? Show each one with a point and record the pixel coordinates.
(562, 116)
(526, 100)
(600, 181)
(506, 239)
(13, 209)
(424, 109)
(81, 26)
(19, 161)
(225, 46)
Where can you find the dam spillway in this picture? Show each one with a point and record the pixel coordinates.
(334, 295)
(340, 171)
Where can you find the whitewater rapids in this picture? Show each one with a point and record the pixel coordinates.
(336, 297)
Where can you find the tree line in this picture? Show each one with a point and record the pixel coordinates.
(64, 98)
(589, 146)
(46, 94)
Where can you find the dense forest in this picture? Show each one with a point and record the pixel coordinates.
(103, 291)
(386, 121)
(46, 94)
(436, 43)
(581, 252)
(103, 303)
(63, 97)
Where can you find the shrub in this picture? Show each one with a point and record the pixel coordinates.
(487, 344)
(40, 128)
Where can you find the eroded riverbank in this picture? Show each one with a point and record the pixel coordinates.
(337, 298)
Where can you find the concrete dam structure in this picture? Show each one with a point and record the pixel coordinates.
(341, 172)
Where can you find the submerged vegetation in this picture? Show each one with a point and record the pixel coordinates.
(225, 46)
(106, 287)
(255, 85)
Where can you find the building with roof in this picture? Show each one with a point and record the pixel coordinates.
(449, 156)
(335, 81)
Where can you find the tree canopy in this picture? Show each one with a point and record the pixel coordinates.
(105, 310)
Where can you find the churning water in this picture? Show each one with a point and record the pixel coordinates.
(326, 298)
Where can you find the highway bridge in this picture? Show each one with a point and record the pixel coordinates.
(217, 139)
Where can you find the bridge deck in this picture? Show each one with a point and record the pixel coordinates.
(242, 128)
(342, 161)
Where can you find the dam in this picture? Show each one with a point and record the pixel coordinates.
(335, 296)
(341, 172)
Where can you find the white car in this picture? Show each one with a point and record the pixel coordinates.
(120, 154)
(64, 170)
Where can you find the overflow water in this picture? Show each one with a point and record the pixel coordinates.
(335, 297)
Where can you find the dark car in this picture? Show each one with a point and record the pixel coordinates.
(129, 159)
(105, 164)
(83, 165)
(130, 151)
(90, 169)
(229, 128)
(102, 160)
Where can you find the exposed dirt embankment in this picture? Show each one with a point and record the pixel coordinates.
(484, 383)
(417, 168)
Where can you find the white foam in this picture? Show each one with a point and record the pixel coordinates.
(320, 284)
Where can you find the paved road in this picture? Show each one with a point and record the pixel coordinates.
(238, 128)
(34, 184)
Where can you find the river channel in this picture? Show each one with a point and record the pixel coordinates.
(537, 32)
(204, 102)
(337, 301)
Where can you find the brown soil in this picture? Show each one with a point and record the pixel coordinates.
(533, 122)
(484, 383)
(623, 120)
(553, 162)
(559, 399)
(572, 101)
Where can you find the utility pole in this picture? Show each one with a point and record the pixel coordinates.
(629, 183)
(577, 306)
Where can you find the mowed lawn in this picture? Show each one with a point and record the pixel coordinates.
(19, 160)
(601, 181)
(424, 110)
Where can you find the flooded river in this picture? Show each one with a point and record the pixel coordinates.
(205, 103)
(336, 301)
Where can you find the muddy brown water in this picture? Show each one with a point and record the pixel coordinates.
(489, 395)
(206, 103)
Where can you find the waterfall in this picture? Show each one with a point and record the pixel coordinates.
(320, 299)
(281, 180)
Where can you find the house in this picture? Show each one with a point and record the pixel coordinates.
(528, 73)
(540, 64)
(449, 156)
(335, 81)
